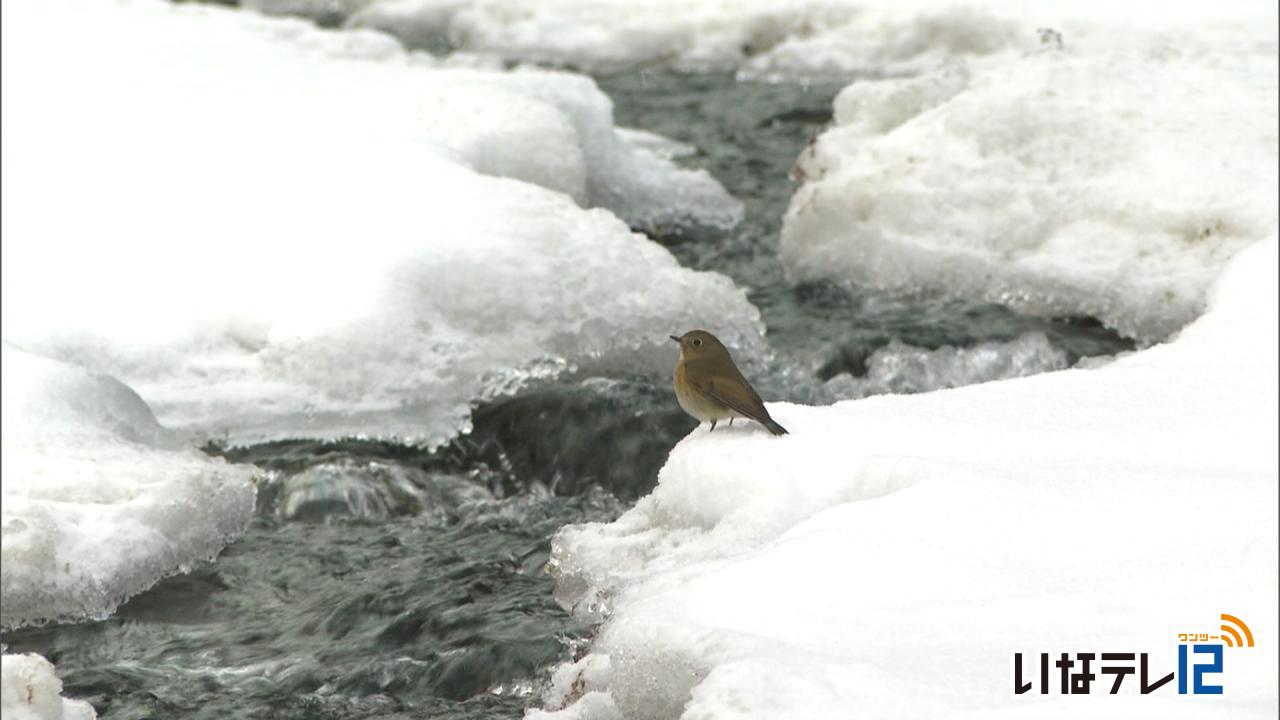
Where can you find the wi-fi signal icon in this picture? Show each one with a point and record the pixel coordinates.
(1231, 628)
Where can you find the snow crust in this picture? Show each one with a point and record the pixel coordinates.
(1108, 172)
(888, 557)
(29, 690)
(99, 501)
(268, 234)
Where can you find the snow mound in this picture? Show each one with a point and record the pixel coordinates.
(1113, 183)
(29, 690)
(268, 241)
(99, 501)
(888, 557)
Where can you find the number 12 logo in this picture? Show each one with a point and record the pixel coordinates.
(1198, 686)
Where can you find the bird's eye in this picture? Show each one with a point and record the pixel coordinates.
(697, 342)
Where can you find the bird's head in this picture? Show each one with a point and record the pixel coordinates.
(700, 343)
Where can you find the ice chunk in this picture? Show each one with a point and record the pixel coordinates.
(325, 261)
(99, 501)
(890, 555)
(29, 690)
(1059, 182)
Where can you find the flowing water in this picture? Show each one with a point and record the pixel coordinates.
(380, 581)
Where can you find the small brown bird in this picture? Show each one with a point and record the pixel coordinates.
(710, 387)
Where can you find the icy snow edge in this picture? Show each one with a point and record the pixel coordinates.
(99, 501)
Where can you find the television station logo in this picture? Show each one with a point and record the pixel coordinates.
(1200, 658)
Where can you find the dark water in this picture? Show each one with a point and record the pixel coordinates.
(424, 596)
(377, 581)
(748, 135)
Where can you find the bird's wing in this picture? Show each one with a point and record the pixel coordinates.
(738, 397)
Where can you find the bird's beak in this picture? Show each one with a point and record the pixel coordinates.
(673, 337)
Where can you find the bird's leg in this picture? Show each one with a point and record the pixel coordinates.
(713, 426)
(730, 422)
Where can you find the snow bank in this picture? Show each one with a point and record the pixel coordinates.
(99, 501)
(29, 690)
(888, 557)
(267, 236)
(1111, 177)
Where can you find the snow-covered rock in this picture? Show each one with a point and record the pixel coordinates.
(888, 557)
(268, 235)
(29, 690)
(99, 502)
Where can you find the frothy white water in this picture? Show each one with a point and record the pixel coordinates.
(372, 491)
(902, 368)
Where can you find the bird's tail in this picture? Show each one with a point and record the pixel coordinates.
(772, 426)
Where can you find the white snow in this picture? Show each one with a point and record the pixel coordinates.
(99, 501)
(268, 235)
(29, 690)
(1111, 177)
(888, 557)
